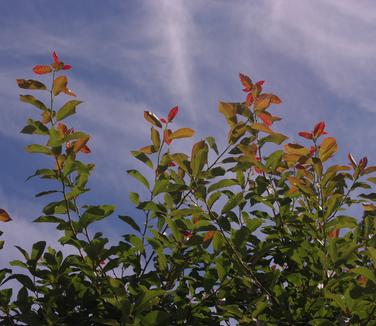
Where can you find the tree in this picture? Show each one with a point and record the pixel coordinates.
(249, 234)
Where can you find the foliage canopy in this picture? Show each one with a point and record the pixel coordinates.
(258, 233)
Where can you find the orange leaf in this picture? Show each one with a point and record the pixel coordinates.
(333, 234)
(68, 92)
(85, 149)
(266, 118)
(4, 216)
(209, 235)
(172, 114)
(246, 82)
(80, 143)
(305, 134)
(167, 136)
(62, 129)
(40, 70)
(249, 99)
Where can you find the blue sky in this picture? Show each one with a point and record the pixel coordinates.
(131, 56)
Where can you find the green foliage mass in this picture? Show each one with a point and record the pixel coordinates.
(251, 235)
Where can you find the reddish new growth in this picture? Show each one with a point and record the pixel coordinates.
(55, 66)
(318, 130)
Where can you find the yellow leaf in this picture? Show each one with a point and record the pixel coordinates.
(229, 110)
(59, 85)
(182, 133)
(327, 148)
(4, 216)
(262, 127)
(296, 149)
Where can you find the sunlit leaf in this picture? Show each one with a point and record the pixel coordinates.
(40, 70)
(182, 133)
(4, 216)
(328, 148)
(59, 84)
(152, 118)
(262, 127)
(155, 138)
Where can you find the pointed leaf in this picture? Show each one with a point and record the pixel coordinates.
(33, 101)
(182, 133)
(152, 118)
(67, 109)
(137, 175)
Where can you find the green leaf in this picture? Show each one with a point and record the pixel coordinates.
(137, 175)
(44, 193)
(199, 160)
(37, 250)
(67, 109)
(129, 220)
(155, 138)
(36, 148)
(213, 198)
(95, 213)
(234, 201)
(275, 138)
(48, 219)
(134, 197)
(212, 144)
(143, 158)
(274, 159)
(35, 127)
(33, 101)
(55, 139)
(30, 84)
(222, 184)
(343, 222)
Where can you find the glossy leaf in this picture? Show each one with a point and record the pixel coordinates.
(152, 118)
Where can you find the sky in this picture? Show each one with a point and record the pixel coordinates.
(130, 56)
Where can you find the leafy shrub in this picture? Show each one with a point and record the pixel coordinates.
(250, 234)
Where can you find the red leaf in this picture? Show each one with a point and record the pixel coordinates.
(249, 99)
(40, 70)
(319, 129)
(67, 67)
(266, 118)
(260, 83)
(56, 58)
(85, 149)
(167, 136)
(363, 163)
(172, 114)
(305, 134)
(163, 120)
(312, 150)
(246, 82)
